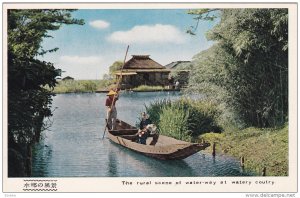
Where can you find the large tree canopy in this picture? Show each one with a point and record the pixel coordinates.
(28, 101)
(247, 68)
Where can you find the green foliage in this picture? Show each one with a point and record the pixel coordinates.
(74, 86)
(203, 116)
(246, 71)
(174, 123)
(28, 100)
(80, 86)
(155, 108)
(148, 88)
(260, 148)
(106, 84)
(117, 65)
(202, 14)
(184, 119)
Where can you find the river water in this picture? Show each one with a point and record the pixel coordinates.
(73, 145)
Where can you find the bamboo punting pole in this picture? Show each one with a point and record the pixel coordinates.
(118, 84)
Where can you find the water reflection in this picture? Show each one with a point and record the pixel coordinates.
(41, 155)
(112, 165)
(73, 147)
(140, 165)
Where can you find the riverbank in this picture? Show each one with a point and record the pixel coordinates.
(81, 86)
(99, 86)
(260, 148)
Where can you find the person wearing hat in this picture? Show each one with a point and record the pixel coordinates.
(111, 110)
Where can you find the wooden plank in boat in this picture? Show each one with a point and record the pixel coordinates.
(166, 148)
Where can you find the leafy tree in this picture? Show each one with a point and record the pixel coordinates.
(29, 103)
(117, 65)
(106, 77)
(247, 68)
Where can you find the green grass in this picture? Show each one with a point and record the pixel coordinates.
(80, 86)
(148, 88)
(184, 119)
(198, 120)
(259, 147)
(174, 123)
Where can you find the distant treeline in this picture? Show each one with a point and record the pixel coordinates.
(81, 86)
(86, 86)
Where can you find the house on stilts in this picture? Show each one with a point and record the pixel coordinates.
(142, 70)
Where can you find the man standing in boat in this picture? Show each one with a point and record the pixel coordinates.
(110, 104)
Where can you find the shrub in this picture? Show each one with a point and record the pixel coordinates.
(184, 119)
(75, 86)
(155, 109)
(89, 85)
(148, 88)
(174, 123)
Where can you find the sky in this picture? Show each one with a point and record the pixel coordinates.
(86, 51)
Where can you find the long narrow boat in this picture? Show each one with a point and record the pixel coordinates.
(159, 146)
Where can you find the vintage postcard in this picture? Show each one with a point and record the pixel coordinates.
(150, 97)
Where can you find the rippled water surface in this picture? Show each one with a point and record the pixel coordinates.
(73, 146)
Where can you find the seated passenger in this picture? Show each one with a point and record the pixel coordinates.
(142, 136)
(143, 133)
(144, 121)
(149, 130)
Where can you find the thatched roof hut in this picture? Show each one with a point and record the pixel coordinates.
(142, 70)
(142, 62)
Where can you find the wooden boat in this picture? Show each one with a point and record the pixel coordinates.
(157, 146)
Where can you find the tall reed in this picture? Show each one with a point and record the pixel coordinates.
(184, 119)
(174, 123)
